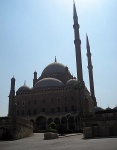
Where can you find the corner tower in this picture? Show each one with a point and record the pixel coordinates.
(11, 97)
(35, 78)
(77, 43)
(90, 69)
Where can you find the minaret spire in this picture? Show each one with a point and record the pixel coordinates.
(55, 59)
(35, 78)
(74, 10)
(77, 43)
(90, 69)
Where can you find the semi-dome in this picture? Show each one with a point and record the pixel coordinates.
(23, 88)
(71, 82)
(55, 68)
(97, 108)
(48, 82)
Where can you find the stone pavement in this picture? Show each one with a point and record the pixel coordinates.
(74, 142)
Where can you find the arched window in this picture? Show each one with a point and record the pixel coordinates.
(23, 113)
(23, 103)
(35, 111)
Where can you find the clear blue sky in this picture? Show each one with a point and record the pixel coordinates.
(33, 32)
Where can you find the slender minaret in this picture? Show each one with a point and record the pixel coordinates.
(35, 78)
(90, 69)
(55, 59)
(77, 43)
(11, 97)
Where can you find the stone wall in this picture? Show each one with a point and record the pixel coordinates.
(50, 135)
(101, 125)
(87, 132)
(13, 128)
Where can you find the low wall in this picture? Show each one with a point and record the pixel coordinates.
(13, 128)
(50, 135)
(87, 132)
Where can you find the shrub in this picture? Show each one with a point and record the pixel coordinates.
(52, 125)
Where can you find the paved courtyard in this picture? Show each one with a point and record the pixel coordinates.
(76, 142)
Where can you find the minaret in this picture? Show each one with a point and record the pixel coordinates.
(55, 59)
(35, 78)
(90, 69)
(11, 97)
(77, 43)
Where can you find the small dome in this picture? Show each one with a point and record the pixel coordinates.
(23, 88)
(108, 108)
(71, 82)
(48, 82)
(115, 107)
(96, 108)
(54, 68)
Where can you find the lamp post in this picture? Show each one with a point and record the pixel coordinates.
(67, 117)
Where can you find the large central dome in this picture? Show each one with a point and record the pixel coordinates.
(54, 68)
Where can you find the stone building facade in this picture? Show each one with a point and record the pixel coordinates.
(100, 123)
(56, 95)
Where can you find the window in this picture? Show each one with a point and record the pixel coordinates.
(18, 113)
(35, 102)
(23, 103)
(66, 109)
(29, 112)
(72, 97)
(52, 110)
(35, 111)
(58, 99)
(22, 112)
(65, 99)
(72, 108)
(59, 109)
(43, 109)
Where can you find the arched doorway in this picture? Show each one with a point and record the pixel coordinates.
(41, 123)
(95, 130)
(57, 121)
(71, 122)
(64, 122)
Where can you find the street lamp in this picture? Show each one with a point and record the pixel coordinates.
(67, 117)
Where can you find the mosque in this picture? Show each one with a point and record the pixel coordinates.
(57, 96)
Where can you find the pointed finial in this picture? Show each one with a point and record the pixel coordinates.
(87, 41)
(55, 59)
(24, 82)
(13, 78)
(74, 9)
